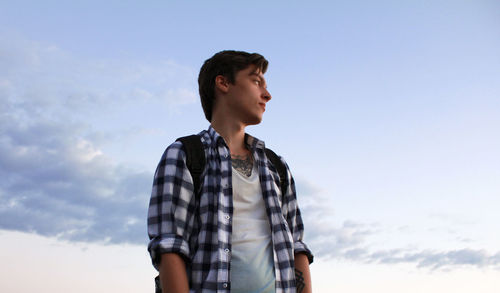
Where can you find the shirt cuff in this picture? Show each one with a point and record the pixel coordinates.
(301, 247)
(167, 243)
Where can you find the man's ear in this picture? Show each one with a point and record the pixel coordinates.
(221, 83)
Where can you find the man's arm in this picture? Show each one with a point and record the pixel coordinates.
(303, 256)
(170, 220)
(173, 275)
(302, 274)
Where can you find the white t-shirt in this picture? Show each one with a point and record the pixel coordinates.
(252, 265)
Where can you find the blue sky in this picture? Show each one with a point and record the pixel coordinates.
(387, 112)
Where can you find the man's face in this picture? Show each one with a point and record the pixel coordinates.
(248, 96)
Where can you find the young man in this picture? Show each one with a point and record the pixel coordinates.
(242, 230)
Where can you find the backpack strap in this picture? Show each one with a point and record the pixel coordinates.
(280, 167)
(195, 161)
(157, 284)
(195, 158)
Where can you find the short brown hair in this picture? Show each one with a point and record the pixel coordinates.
(226, 63)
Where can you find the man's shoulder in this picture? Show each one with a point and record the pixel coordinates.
(203, 137)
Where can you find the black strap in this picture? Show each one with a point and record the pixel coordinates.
(157, 284)
(195, 158)
(195, 161)
(280, 167)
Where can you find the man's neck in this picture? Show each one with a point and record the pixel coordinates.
(233, 134)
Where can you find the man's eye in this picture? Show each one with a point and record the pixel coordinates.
(257, 82)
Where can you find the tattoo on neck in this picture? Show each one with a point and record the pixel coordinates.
(242, 164)
(299, 281)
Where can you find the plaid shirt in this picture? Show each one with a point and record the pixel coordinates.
(198, 228)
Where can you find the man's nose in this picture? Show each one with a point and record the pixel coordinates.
(266, 95)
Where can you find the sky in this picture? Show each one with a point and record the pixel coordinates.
(387, 112)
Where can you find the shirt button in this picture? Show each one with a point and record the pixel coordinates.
(227, 217)
(224, 285)
(226, 250)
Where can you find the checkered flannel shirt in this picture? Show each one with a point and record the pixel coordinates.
(198, 228)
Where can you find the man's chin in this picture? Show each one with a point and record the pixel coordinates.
(254, 121)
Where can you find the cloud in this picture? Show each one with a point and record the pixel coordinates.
(338, 242)
(55, 183)
(54, 179)
(437, 259)
(46, 80)
(349, 240)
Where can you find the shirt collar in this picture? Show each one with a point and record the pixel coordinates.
(251, 141)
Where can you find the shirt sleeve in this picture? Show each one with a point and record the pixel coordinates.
(294, 218)
(170, 213)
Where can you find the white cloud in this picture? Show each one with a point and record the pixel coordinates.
(353, 240)
(54, 179)
(438, 259)
(52, 83)
(55, 183)
(350, 241)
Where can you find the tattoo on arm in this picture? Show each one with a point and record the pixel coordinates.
(242, 164)
(299, 281)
